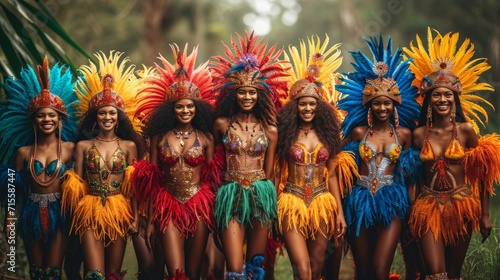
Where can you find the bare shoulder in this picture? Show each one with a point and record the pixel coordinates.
(127, 144)
(221, 124)
(466, 128)
(83, 145)
(404, 133)
(418, 136)
(24, 152)
(68, 146)
(205, 138)
(358, 133)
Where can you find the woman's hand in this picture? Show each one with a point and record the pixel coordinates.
(485, 226)
(341, 225)
(150, 228)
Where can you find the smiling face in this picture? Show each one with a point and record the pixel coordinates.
(107, 118)
(442, 100)
(306, 107)
(46, 120)
(184, 110)
(246, 97)
(382, 108)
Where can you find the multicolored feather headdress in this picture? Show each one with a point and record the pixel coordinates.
(313, 72)
(441, 64)
(386, 76)
(250, 64)
(109, 83)
(53, 88)
(176, 81)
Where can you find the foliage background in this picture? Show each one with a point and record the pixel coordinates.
(144, 28)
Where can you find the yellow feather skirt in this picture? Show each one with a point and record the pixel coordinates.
(319, 216)
(449, 214)
(108, 222)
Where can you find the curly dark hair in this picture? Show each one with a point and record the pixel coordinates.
(227, 107)
(460, 117)
(88, 130)
(325, 123)
(162, 119)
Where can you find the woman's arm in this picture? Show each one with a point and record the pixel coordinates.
(334, 188)
(272, 134)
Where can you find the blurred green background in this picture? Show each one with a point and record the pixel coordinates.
(72, 30)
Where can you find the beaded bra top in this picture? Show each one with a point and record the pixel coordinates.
(442, 178)
(308, 167)
(376, 177)
(92, 163)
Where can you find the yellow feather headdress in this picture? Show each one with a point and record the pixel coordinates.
(312, 73)
(442, 64)
(109, 83)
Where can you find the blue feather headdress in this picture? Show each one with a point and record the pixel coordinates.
(16, 125)
(385, 75)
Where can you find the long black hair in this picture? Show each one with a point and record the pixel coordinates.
(460, 117)
(163, 119)
(227, 107)
(325, 123)
(89, 129)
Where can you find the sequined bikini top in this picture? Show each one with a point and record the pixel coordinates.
(50, 169)
(308, 167)
(93, 158)
(300, 155)
(193, 156)
(238, 151)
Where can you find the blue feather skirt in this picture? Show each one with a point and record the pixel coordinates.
(41, 218)
(361, 208)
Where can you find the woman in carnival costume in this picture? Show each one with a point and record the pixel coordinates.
(179, 123)
(98, 192)
(309, 201)
(248, 82)
(459, 168)
(381, 109)
(37, 120)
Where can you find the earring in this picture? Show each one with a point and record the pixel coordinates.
(370, 121)
(93, 127)
(453, 113)
(429, 115)
(116, 127)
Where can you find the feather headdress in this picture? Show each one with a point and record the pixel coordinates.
(52, 88)
(312, 73)
(109, 83)
(445, 64)
(175, 81)
(249, 63)
(386, 76)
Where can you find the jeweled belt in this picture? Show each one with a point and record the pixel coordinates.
(245, 178)
(44, 199)
(375, 184)
(183, 192)
(443, 197)
(308, 192)
(104, 192)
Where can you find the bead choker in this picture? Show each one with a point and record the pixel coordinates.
(306, 130)
(106, 140)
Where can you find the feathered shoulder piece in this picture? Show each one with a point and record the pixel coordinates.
(385, 75)
(45, 88)
(111, 82)
(174, 81)
(249, 62)
(313, 71)
(445, 64)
